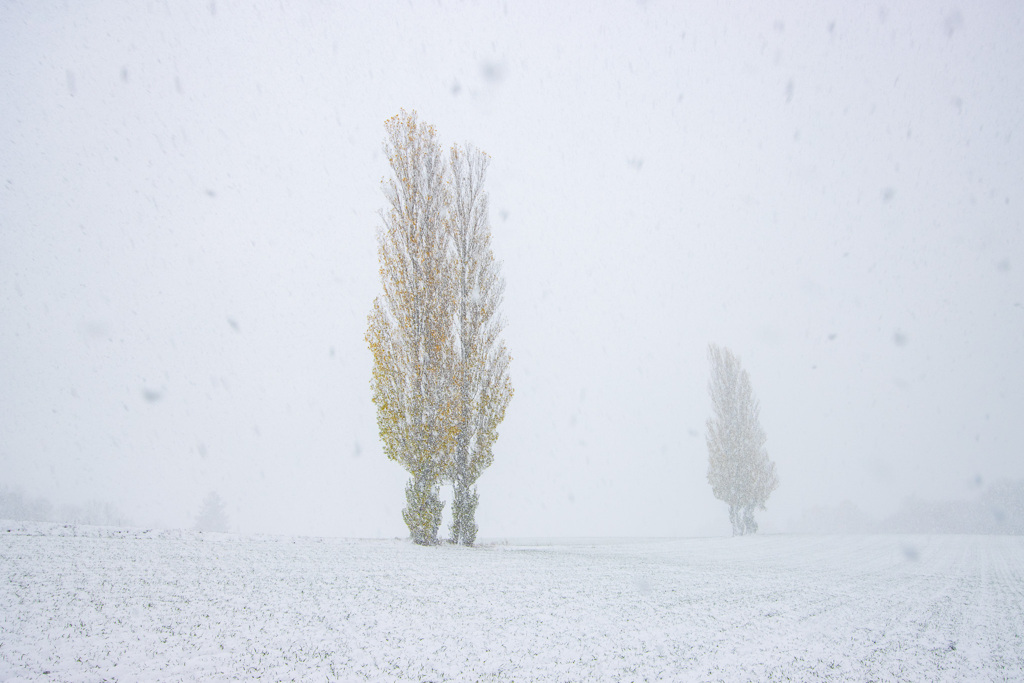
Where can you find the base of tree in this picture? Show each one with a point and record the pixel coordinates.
(423, 511)
(742, 519)
(464, 526)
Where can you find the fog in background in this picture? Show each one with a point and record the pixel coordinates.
(188, 204)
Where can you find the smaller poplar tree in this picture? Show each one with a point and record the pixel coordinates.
(483, 387)
(739, 470)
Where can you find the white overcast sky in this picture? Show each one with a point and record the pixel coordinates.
(188, 205)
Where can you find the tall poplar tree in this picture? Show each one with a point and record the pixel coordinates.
(739, 470)
(411, 324)
(440, 367)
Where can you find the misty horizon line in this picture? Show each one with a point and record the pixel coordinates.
(997, 509)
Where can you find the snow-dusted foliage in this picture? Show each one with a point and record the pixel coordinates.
(482, 360)
(739, 470)
(440, 371)
(212, 516)
(410, 327)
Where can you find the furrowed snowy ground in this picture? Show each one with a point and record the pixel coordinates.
(93, 604)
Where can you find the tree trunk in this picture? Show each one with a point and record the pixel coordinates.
(749, 525)
(423, 511)
(464, 526)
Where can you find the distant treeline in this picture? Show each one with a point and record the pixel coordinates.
(15, 505)
(997, 510)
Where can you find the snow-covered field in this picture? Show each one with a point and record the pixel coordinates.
(93, 604)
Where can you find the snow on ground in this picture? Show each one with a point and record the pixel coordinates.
(94, 604)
